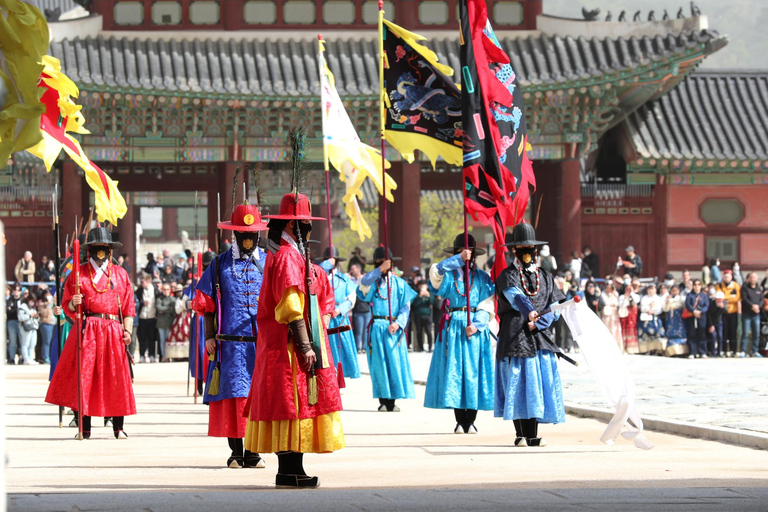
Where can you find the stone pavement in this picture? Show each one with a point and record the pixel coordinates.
(393, 461)
(719, 392)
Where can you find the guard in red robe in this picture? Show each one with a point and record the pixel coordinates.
(294, 399)
(108, 310)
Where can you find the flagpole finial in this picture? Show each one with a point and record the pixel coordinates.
(319, 36)
(381, 5)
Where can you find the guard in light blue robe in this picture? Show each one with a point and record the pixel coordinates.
(461, 375)
(342, 344)
(388, 351)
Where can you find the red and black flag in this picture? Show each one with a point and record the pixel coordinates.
(497, 173)
(423, 105)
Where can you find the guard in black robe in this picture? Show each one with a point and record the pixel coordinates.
(528, 387)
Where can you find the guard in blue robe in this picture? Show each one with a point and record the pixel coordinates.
(528, 387)
(228, 297)
(387, 347)
(461, 375)
(345, 293)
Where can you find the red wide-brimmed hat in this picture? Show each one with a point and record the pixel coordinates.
(294, 206)
(246, 218)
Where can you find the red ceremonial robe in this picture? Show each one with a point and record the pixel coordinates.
(107, 387)
(272, 388)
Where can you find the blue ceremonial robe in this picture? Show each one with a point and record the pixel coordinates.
(388, 353)
(343, 344)
(240, 281)
(461, 374)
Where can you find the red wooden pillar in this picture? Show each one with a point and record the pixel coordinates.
(72, 200)
(659, 227)
(126, 229)
(570, 200)
(212, 219)
(403, 215)
(170, 224)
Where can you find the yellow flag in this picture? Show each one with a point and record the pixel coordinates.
(354, 160)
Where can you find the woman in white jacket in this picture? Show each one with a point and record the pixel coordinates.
(609, 312)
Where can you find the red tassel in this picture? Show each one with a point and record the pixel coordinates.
(340, 377)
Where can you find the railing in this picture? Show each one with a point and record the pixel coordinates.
(25, 198)
(616, 196)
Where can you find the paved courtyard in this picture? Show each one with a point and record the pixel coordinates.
(399, 461)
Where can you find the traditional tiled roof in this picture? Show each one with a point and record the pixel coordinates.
(710, 116)
(288, 68)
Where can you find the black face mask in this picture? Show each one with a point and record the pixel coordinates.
(99, 253)
(246, 242)
(526, 255)
(305, 228)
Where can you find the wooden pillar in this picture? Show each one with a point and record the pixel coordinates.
(226, 176)
(212, 219)
(170, 223)
(126, 230)
(71, 204)
(232, 14)
(403, 215)
(570, 200)
(659, 229)
(548, 191)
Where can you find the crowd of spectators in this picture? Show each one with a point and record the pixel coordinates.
(721, 314)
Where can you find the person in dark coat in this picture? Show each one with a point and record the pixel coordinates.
(528, 387)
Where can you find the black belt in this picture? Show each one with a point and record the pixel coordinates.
(390, 318)
(464, 309)
(105, 316)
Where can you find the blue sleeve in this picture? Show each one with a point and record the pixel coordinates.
(518, 300)
(326, 265)
(690, 300)
(481, 319)
(402, 316)
(349, 288)
(205, 284)
(370, 278)
(447, 265)
(407, 295)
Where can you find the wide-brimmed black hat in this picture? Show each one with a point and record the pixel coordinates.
(458, 245)
(523, 234)
(208, 258)
(102, 236)
(379, 254)
(332, 252)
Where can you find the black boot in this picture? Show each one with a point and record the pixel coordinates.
(253, 460)
(117, 427)
(519, 433)
(291, 474)
(86, 428)
(531, 429)
(460, 415)
(469, 419)
(235, 461)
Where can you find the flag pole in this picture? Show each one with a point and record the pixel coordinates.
(321, 66)
(79, 327)
(326, 167)
(466, 267)
(57, 262)
(382, 113)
